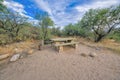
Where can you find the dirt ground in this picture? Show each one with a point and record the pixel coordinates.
(48, 64)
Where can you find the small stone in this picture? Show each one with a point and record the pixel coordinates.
(15, 57)
(97, 48)
(30, 51)
(84, 54)
(92, 54)
(16, 50)
(6, 46)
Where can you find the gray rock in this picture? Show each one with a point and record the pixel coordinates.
(15, 57)
(84, 54)
(97, 48)
(92, 54)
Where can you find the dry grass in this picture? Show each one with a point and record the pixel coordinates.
(20, 47)
(109, 44)
(106, 43)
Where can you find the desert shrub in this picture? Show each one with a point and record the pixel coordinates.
(4, 39)
(56, 31)
(115, 34)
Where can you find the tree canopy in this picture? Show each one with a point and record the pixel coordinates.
(2, 7)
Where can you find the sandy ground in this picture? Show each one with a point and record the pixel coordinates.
(69, 65)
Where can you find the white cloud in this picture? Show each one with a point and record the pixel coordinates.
(19, 8)
(43, 5)
(97, 4)
(57, 9)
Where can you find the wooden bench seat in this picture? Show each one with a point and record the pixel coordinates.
(64, 44)
(60, 46)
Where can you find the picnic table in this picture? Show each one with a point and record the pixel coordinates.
(59, 43)
(62, 40)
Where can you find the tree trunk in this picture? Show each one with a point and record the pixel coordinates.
(42, 42)
(99, 38)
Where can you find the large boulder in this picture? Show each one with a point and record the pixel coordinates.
(3, 56)
(15, 57)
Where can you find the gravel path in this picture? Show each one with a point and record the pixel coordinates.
(69, 65)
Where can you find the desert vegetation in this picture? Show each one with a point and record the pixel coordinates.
(34, 46)
(95, 25)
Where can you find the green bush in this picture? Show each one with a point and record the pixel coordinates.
(4, 39)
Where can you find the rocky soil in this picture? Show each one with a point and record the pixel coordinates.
(84, 63)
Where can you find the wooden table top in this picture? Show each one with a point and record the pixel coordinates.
(62, 39)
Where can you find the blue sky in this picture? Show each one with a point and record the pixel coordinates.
(62, 12)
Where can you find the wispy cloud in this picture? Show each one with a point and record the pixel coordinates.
(19, 8)
(97, 4)
(62, 12)
(57, 10)
(44, 5)
(63, 15)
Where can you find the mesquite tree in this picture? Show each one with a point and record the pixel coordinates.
(102, 21)
(11, 23)
(44, 22)
(2, 7)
